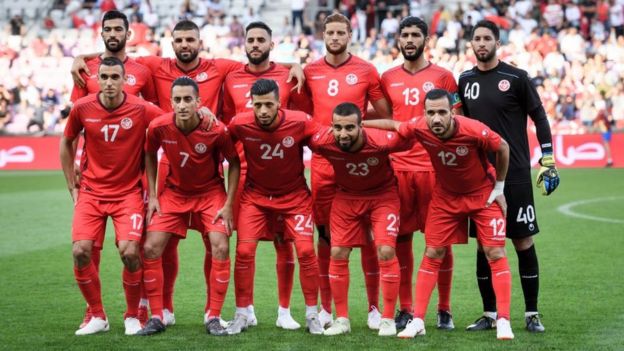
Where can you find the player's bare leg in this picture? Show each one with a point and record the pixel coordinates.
(88, 280)
(153, 279)
(390, 280)
(501, 281)
(131, 276)
(219, 281)
(528, 267)
(339, 280)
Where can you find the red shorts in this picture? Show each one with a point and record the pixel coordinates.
(415, 190)
(352, 220)
(177, 210)
(447, 222)
(258, 213)
(323, 190)
(91, 213)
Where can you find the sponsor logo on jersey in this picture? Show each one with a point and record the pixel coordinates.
(372, 161)
(238, 86)
(201, 77)
(428, 143)
(336, 158)
(428, 86)
(166, 141)
(200, 148)
(351, 79)
(397, 85)
(93, 120)
(126, 123)
(288, 141)
(131, 80)
(531, 227)
(317, 77)
(252, 139)
(462, 150)
(504, 85)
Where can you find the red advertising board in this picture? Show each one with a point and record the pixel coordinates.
(42, 153)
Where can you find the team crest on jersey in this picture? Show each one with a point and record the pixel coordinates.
(200, 148)
(131, 79)
(351, 79)
(504, 85)
(428, 86)
(462, 150)
(126, 123)
(288, 141)
(372, 161)
(201, 77)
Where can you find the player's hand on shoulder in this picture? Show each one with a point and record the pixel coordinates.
(548, 176)
(78, 65)
(153, 206)
(296, 72)
(206, 113)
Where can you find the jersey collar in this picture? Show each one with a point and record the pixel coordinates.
(340, 65)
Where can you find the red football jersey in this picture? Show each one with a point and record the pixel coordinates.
(460, 163)
(112, 159)
(139, 80)
(237, 98)
(406, 91)
(366, 173)
(274, 158)
(355, 81)
(209, 75)
(194, 158)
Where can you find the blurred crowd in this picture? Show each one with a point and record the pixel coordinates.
(574, 49)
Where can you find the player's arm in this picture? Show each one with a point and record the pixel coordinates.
(80, 64)
(385, 124)
(151, 170)
(502, 163)
(227, 212)
(296, 72)
(68, 154)
(548, 176)
(381, 109)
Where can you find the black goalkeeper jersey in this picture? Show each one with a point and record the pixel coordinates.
(502, 98)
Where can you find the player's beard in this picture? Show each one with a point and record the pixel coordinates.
(121, 44)
(338, 51)
(264, 123)
(190, 58)
(416, 55)
(259, 59)
(487, 58)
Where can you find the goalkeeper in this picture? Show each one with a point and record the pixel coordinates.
(502, 96)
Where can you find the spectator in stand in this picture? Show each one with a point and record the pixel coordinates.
(389, 26)
(603, 123)
(573, 15)
(553, 16)
(616, 17)
(296, 8)
(107, 5)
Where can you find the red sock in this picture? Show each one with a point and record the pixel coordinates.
(308, 271)
(425, 282)
(339, 280)
(207, 270)
(501, 281)
(390, 280)
(88, 281)
(370, 267)
(219, 281)
(445, 281)
(405, 255)
(142, 284)
(96, 255)
(170, 271)
(132, 289)
(285, 268)
(244, 270)
(153, 283)
(324, 286)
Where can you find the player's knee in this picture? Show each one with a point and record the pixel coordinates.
(152, 250)
(245, 250)
(385, 252)
(305, 250)
(221, 250)
(435, 252)
(522, 244)
(340, 253)
(81, 254)
(494, 253)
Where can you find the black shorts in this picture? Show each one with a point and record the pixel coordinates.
(521, 214)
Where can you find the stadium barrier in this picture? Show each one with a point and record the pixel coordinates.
(571, 151)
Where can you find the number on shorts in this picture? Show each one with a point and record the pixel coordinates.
(360, 169)
(114, 127)
(448, 158)
(137, 221)
(527, 216)
(332, 88)
(185, 156)
(394, 221)
(304, 223)
(269, 152)
(498, 226)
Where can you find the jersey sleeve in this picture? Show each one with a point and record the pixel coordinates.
(226, 66)
(301, 101)
(407, 130)
(226, 144)
(78, 92)
(396, 142)
(74, 124)
(148, 91)
(311, 127)
(487, 138)
(152, 111)
(529, 93)
(151, 62)
(152, 142)
(232, 129)
(451, 87)
(374, 86)
(228, 108)
(460, 88)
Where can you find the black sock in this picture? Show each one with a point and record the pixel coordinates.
(529, 277)
(484, 279)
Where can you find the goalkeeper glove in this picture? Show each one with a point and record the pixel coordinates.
(548, 176)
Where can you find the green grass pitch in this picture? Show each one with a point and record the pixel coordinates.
(581, 296)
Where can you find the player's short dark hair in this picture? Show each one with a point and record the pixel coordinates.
(337, 18)
(185, 81)
(185, 25)
(265, 86)
(258, 24)
(348, 109)
(435, 94)
(113, 61)
(411, 21)
(489, 25)
(114, 14)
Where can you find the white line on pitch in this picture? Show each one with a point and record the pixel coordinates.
(567, 209)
